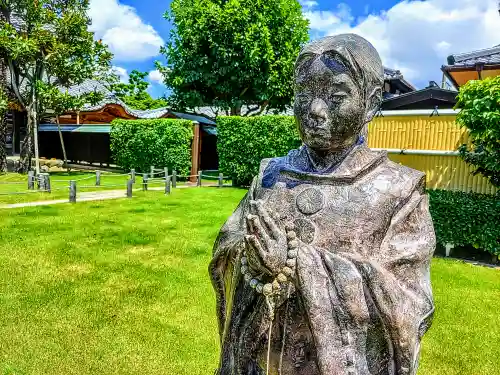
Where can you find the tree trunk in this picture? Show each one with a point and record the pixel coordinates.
(27, 145)
(236, 111)
(3, 149)
(62, 142)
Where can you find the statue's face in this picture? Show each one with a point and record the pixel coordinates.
(329, 108)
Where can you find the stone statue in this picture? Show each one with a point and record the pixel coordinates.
(323, 269)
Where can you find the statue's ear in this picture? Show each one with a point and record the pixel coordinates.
(373, 103)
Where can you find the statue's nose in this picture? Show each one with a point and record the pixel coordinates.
(319, 110)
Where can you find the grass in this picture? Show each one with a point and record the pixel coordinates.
(121, 287)
(14, 187)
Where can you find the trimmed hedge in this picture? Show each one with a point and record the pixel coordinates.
(242, 142)
(463, 219)
(163, 143)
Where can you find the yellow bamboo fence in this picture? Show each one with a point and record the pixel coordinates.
(428, 143)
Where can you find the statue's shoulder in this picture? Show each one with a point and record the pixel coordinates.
(408, 178)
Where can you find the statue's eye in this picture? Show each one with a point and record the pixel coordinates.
(334, 65)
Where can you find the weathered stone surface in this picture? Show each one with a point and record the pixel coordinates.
(340, 237)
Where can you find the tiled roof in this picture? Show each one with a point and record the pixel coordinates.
(484, 56)
(110, 98)
(392, 74)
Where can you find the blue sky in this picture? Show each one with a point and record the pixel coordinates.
(414, 36)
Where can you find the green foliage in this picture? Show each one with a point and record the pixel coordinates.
(466, 219)
(480, 104)
(244, 141)
(134, 92)
(47, 44)
(229, 53)
(59, 101)
(163, 143)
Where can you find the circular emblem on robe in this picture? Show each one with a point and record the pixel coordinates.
(305, 230)
(310, 201)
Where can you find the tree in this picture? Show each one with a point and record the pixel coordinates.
(60, 102)
(480, 113)
(231, 53)
(4, 103)
(134, 92)
(46, 44)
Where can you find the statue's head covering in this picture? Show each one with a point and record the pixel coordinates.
(360, 58)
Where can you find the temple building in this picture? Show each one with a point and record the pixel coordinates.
(475, 65)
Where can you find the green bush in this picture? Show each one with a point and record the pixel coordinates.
(479, 102)
(163, 143)
(244, 141)
(465, 219)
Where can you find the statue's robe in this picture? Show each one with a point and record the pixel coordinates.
(362, 298)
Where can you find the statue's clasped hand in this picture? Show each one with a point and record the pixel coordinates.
(266, 241)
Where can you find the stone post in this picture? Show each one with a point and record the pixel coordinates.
(130, 185)
(167, 185)
(97, 178)
(199, 178)
(132, 175)
(48, 188)
(174, 179)
(31, 180)
(145, 182)
(221, 180)
(72, 191)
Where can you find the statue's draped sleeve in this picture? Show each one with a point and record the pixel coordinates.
(393, 278)
(226, 253)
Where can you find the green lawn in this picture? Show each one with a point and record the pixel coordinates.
(121, 287)
(14, 187)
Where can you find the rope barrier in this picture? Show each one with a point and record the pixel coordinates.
(156, 179)
(22, 192)
(157, 173)
(61, 188)
(97, 187)
(115, 175)
(13, 183)
(80, 179)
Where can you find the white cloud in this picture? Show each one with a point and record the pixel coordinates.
(417, 36)
(121, 73)
(126, 34)
(155, 76)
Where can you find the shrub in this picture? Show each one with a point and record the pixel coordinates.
(465, 219)
(244, 141)
(480, 104)
(163, 143)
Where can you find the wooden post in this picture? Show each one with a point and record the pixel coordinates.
(167, 185)
(152, 170)
(165, 170)
(174, 179)
(72, 191)
(31, 180)
(97, 178)
(199, 178)
(132, 175)
(145, 182)
(448, 248)
(195, 151)
(130, 185)
(221, 180)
